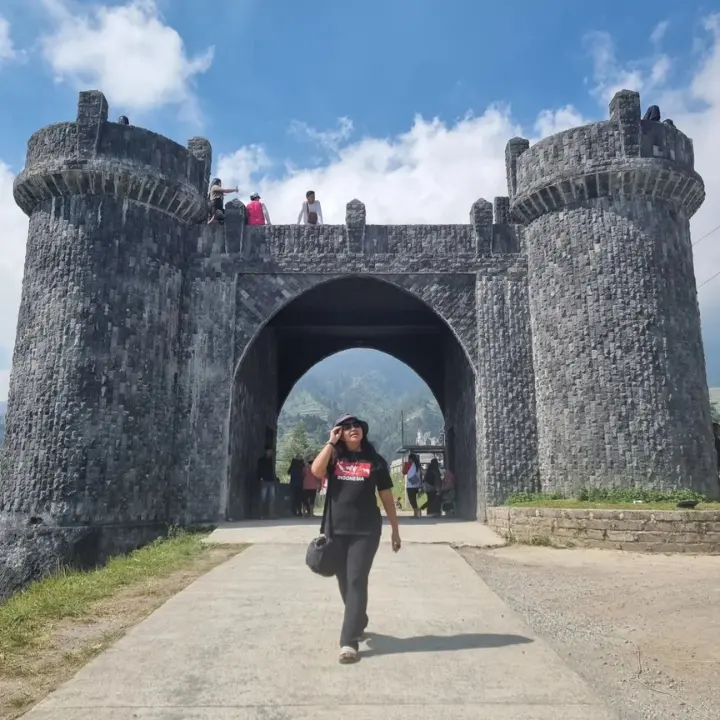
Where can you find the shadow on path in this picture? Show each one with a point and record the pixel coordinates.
(389, 645)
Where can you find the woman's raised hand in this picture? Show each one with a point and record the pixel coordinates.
(335, 435)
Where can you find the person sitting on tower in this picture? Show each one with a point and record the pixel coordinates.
(310, 212)
(257, 213)
(217, 201)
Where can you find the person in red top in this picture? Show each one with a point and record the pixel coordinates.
(257, 213)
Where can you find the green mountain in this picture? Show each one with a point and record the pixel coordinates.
(367, 383)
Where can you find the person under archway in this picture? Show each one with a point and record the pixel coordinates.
(356, 472)
(432, 484)
(412, 471)
(297, 471)
(311, 484)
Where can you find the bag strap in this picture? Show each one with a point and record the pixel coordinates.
(326, 523)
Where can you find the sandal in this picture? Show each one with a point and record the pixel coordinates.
(348, 655)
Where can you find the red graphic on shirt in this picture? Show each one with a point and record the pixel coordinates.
(352, 471)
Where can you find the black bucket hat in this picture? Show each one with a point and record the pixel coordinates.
(347, 418)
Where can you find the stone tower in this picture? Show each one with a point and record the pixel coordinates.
(112, 209)
(558, 330)
(620, 379)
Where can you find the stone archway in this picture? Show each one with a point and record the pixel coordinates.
(332, 316)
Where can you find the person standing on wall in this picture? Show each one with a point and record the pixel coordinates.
(257, 213)
(268, 482)
(355, 471)
(217, 201)
(311, 211)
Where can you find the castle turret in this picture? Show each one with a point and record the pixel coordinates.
(89, 436)
(620, 380)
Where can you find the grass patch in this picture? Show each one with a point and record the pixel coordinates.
(613, 499)
(56, 625)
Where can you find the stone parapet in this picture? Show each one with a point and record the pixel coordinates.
(622, 156)
(668, 531)
(92, 156)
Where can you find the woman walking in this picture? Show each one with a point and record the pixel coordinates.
(413, 481)
(355, 472)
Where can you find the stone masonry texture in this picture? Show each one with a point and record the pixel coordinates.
(559, 331)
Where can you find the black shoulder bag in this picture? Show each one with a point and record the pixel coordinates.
(322, 553)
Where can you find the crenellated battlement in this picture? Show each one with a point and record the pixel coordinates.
(620, 156)
(92, 156)
(488, 233)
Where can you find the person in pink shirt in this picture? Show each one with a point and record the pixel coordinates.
(310, 488)
(257, 213)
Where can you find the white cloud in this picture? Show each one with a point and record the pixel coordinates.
(645, 75)
(328, 140)
(431, 174)
(695, 109)
(659, 32)
(7, 50)
(128, 51)
(12, 259)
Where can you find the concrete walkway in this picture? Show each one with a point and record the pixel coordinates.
(300, 531)
(256, 639)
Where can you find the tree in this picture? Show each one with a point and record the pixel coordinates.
(294, 444)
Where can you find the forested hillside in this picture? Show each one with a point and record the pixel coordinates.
(367, 383)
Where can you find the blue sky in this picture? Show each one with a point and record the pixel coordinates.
(406, 104)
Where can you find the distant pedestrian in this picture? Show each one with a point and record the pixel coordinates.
(297, 471)
(356, 471)
(311, 211)
(412, 471)
(310, 489)
(257, 213)
(267, 478)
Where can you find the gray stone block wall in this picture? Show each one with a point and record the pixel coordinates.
(146, 372)
(505, 389)
(619, 367)
(460, 430)
(253, 417)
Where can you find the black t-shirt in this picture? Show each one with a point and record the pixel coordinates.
(352, 483)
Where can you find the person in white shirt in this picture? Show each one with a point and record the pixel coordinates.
(310, 212)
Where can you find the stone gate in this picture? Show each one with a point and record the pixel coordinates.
(559, 330)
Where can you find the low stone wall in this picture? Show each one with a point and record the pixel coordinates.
(676, 531)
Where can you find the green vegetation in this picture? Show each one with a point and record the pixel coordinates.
(58, 624)
(292, 444)
(370, 384)
(613, 498)
(29, 616)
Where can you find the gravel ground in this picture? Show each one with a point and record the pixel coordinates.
(642, 630)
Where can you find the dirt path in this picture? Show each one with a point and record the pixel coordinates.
(643, 630)
(71, 644)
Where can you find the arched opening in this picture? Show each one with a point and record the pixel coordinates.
(338, 315)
